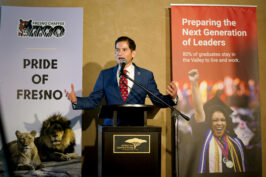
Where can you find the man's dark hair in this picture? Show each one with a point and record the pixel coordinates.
(131, 43)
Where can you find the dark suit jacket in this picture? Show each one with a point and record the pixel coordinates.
(107, 86)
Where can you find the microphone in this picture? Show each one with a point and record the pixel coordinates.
(122, 66)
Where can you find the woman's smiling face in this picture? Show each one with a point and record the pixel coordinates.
(218, 124)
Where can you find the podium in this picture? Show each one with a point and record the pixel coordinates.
(129, 114)
(129, 147)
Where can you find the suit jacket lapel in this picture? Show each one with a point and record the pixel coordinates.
(117, 90)
(138, 79)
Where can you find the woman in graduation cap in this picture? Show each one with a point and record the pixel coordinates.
(221, 150)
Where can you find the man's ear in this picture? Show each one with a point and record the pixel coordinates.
(133, 53)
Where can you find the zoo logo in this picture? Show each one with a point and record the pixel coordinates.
(40, 29)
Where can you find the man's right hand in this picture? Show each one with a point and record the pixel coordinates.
(71, 95)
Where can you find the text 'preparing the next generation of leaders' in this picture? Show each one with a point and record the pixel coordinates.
(209, 28)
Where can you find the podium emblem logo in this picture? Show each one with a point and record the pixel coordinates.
(131, 143)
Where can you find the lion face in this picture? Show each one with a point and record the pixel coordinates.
(25, 141)
(53, 132)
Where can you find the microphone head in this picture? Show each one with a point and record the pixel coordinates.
(123, 61)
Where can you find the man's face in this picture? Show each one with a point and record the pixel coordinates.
(122, 51)
(218, 124)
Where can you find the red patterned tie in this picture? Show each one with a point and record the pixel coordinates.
(123, 86)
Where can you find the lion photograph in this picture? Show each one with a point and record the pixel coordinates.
(23, 152)
(57, 140)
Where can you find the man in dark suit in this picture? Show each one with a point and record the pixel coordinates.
(107, 84)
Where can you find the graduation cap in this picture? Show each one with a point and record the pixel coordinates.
(216, 104)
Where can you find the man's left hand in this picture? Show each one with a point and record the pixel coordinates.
(172, 90)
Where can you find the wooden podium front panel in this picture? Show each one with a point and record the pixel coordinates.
(129, 151)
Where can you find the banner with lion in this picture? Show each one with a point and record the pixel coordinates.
(40, 49)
